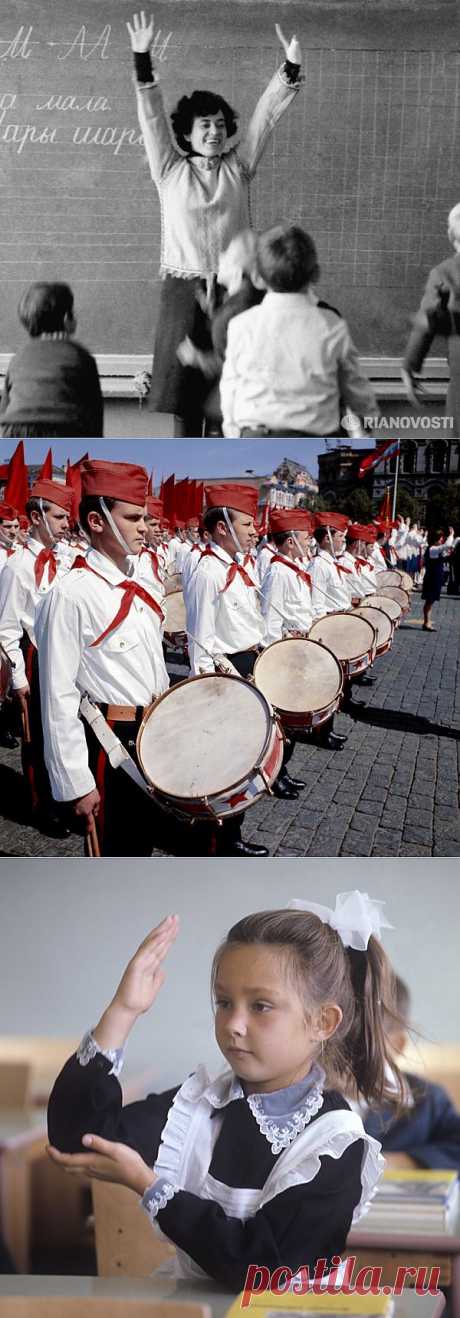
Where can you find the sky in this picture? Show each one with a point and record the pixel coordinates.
(184, 457)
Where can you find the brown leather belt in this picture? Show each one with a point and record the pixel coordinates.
(123, 713)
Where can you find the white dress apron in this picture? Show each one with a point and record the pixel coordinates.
(188, 1141)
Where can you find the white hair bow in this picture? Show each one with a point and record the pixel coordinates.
(354, 918)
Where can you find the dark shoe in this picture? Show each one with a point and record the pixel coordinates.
(428, 629)
(8, 740)
(333, 742)
(293, 782)
(284, 789)
(366, 680)
(243, 849)
(50, 823)
(349, 705)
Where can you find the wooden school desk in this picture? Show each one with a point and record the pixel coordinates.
(407, 1305)
(411, 1249)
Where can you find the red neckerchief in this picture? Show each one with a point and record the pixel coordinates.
(361, 562)
(131, 591)
(195, 547)
(235, 570)
(45, 557)
(346, 571)
(299, 571)
(153, 556)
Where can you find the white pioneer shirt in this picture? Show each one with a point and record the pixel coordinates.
(127, 668)
(286, 605)
(330, 590)
(221, 620)
(19, 596)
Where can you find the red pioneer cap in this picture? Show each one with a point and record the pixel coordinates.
(53, 492)
(241, 498)
(114, 480)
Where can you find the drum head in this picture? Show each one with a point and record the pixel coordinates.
(349, 637)
(379, 620)
(203, 736)
(398, 594)
(298, 675)
(174, 610)
(388, 579)
(384, 602)
(406, 582)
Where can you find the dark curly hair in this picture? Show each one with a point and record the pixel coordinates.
(197, 106)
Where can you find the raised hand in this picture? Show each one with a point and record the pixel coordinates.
(143, 976)
(291, 48)
(413, 389)
(140, 33)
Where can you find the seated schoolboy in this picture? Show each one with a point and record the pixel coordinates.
(428, 1135)
(290, 365)
(438, 314)
(52, 385)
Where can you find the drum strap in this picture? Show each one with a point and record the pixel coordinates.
(117, 754)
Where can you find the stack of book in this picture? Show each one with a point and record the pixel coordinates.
(414, 1201)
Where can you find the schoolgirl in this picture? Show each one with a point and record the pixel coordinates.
(266, 1163)
(203, 186)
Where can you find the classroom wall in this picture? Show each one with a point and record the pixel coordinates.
(66, 933)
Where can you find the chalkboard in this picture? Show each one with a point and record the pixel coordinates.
(367, 159)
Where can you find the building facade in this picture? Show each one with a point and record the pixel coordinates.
(426, 467)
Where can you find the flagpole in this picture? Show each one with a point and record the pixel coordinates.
(395, 487)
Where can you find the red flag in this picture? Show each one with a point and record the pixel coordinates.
(191, 495)
(46, 470)
(16, 490)
(180, 500)
(385, 506)
(199, 497)
(380, 454)
(73, 481)
(168, 496)
(263, 519)
(151, 482)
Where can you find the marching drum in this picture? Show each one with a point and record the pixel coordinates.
(175, 626)
(406, 582)
(6, 676)
(352, 639)
(210, 747)
(401, 596)
(388, 578)
(382, 624)
(301, 679)
(385, 603)
(172, 582)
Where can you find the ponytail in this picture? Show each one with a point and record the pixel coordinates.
(356, 1057)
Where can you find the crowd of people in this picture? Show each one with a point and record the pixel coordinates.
(244, 343)
(84, 609)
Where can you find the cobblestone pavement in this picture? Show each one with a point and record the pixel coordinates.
(393, 790)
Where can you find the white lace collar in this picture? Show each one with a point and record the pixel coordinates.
(280, 1115)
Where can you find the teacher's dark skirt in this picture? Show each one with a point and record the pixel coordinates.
(180, 390)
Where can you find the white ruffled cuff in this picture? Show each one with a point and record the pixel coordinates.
(157, 1196)
(89, 1049)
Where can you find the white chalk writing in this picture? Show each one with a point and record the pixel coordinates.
(85, 47)
(20, 46)
(94, 104)
(113, 136)
(19, 134)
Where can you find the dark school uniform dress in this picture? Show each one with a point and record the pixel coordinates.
(433, 580)
(52, 389)
(429, 1131)
(220, 1213)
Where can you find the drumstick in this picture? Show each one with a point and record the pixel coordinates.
(25, 725)
(92, 842)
